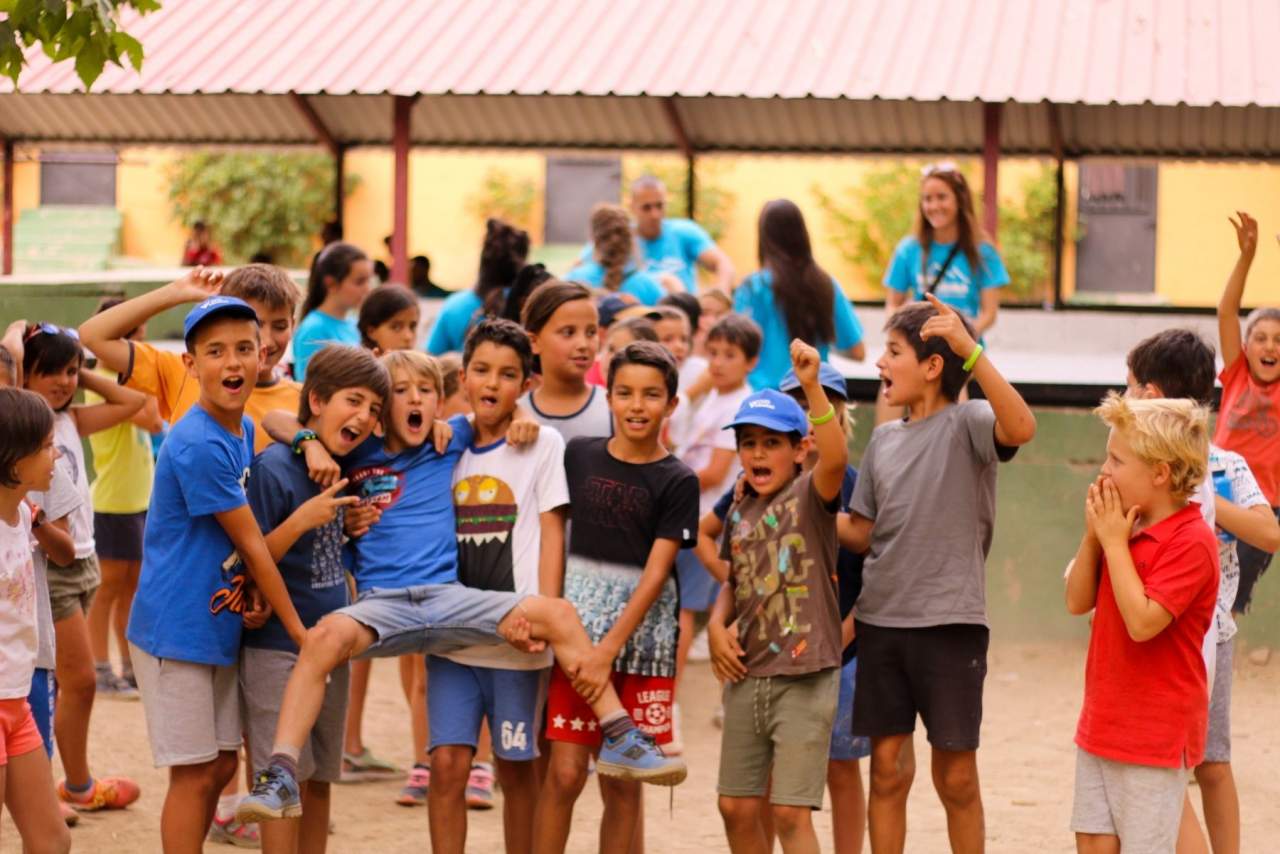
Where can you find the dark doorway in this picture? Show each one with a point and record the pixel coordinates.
(574, 186)
(78, 178)
(1117, 253)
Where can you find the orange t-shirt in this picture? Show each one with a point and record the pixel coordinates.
(162, 375)
(1249, 424)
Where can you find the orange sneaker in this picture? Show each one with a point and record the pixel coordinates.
(107, 793)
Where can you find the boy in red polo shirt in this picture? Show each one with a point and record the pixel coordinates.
(1148, 568)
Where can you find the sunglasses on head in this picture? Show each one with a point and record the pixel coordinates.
(50, 329)
(942, 167)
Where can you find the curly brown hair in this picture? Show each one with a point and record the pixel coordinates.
(614, 243)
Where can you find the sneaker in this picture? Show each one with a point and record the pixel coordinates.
(127, 675)
(106, 793)
(232, 831)
(364, 766)
(113, 687)
(676, 746)
(700, 649)
(70, 816)
(635, 756)
(414, 793)
(275, 795)
(480, 787)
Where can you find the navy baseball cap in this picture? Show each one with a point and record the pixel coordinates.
(216, 307)
(830, 378)
(772, 410)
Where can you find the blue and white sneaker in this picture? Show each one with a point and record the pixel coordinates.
(275, 795)
(635, 756)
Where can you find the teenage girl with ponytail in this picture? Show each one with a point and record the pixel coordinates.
(340, 277)
(613, 265)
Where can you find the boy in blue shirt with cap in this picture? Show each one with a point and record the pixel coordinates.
(193, 594)
(782, 671)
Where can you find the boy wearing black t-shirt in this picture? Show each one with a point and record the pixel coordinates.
(632, 507)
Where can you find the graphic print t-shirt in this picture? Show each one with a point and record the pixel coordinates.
(312, 568)
(413, 543)
(61, 499)
(191, 590)
(18, 638)
(499, 493)
(616, 511)
(782, 566)
(67, 438)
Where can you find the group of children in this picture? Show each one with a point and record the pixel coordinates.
(549, 520)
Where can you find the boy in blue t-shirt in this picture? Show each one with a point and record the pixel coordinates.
(342, 400)
(409, 600)
(193, 594)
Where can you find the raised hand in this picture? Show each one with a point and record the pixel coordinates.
(323, 508)
(948, 326)
(1246, 232)
(805, 361)
(196, 285)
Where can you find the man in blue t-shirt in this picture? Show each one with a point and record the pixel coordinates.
(193, 593)
(672, 247)
(342, 399)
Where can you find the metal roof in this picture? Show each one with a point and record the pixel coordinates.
(1161, 77)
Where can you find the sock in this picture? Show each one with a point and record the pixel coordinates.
(617, 725)
(79, 792)
(286, 758)
(425, 766)
(227, 805)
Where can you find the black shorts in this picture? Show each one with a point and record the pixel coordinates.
(1253, 562)
(935, 671)
(118, 536)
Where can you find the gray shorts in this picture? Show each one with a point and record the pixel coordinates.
(778, 726)
(1138, 803)
(430, 618)
(1217, 747)
(263, 674)
(193, 710)
(72, 588)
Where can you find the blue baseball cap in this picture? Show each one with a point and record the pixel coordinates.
(216, 307)
(772, 410)
(830, 378)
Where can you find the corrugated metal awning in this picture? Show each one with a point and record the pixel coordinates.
(1167, 78)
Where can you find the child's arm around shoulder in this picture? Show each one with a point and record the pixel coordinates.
(828, 436)
(1229, 340)
(1015, 423)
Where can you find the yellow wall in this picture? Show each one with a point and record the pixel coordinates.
(1195, 245)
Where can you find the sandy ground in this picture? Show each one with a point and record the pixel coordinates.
(1033, 695)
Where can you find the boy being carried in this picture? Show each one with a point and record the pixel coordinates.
(342, 400)
(1152, 594)
(926, 654)
(191, 597)
(782, 672)
(510, 515)
(409, 599)
(633, 506)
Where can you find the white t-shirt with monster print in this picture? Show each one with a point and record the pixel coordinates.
(499, 493)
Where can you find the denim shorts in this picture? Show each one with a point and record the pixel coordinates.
(430, 618)
(698, 588)
(461, 697)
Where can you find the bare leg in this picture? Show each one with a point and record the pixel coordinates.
(743, 826)
(76, 687)
(333, 640)
(353, 743)
(26, 788)
(848, 805)
(1221, 806)
(190, 802)
(120, 614)
(1096, 843)
(519, 799)
(1191, 839)
(566, 775)
(115, 582)
(447, 798)
(955, 777)
(686, 641)
(313, 835)
(893, 767)
(281, 835)
(621, 819)
(795, 829)
(413, 681)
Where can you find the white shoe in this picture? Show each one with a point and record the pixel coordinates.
(700, 649)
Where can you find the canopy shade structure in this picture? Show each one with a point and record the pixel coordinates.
(1066, 78)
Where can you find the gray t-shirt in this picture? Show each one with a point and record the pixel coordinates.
(60, 500)
(930, 488)
(593, 419)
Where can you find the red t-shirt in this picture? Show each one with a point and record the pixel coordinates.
(1148, 703)
(1249, 424)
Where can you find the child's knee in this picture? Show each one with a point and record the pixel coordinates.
(224, 767)
(740, 812)
(790, 820)
(957, 782)
(566, 776)
(843, 775)
(451, 766)
(891, 778)
(1213, 773)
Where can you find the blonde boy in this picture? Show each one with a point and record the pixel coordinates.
(1147, 567)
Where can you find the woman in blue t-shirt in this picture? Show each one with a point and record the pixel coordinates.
(339, 282)
(503, 255)
(790, 296)
(948, 256)
(613, 267)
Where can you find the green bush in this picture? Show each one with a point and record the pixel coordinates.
(504, 197)
(266, 201)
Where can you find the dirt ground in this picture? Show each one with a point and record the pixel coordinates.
(1026, 760)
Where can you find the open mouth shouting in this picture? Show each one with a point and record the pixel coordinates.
(234, 385)
(415, 421)
(759, 476)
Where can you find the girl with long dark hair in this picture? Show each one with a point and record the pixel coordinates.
(503, 255)
(790, 296)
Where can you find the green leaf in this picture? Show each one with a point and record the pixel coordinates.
(128, 45)
(89, 63)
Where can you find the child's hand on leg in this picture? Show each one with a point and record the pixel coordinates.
(593, 674)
